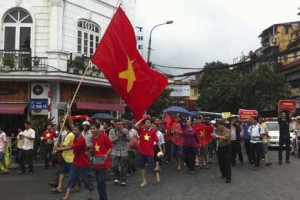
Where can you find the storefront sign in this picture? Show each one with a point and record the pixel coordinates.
(180, 90)
(246, 115)
(289, 105)
(39, 104)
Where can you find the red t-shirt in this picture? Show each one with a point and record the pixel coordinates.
(147, 139)
(48, 135)
(177, 138)
(101, 145)
(81, 158)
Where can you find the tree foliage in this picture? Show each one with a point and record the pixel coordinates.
(163, 101)
(223, 90)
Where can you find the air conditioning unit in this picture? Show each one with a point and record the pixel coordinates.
(274, 41)
(40, 90)
(39, 112)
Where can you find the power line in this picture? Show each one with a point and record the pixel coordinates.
(245, 63)
(176, 67)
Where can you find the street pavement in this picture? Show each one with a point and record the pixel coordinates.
(275, 182)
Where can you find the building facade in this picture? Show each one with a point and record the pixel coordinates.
(45, 46)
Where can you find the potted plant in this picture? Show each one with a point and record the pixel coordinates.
(79, 64)
(71, 67)
(36, 62)
(8, 63)
(95, 71)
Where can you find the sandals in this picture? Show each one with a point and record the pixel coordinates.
(75, 190)
(143, 184)
(55, 190)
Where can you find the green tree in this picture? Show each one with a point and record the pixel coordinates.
(217, 91)
(163, 101)
(223, 90)
(263, 87)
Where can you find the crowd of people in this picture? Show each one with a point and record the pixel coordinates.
(124, 147)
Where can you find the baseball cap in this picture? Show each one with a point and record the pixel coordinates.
(86, 123)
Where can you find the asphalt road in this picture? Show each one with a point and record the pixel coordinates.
(269, 183)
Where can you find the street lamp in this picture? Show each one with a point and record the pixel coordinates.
(149, 43)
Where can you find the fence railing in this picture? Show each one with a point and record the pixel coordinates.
(18, 60)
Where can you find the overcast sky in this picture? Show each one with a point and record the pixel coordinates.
(208, 30)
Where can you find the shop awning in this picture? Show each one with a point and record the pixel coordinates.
(99, 107)
(12, 108)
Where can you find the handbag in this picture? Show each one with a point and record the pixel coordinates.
(134, 143)
(98, 160)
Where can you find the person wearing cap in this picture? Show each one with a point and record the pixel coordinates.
(224, 150)
(87, 134)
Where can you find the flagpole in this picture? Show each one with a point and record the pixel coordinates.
(73, 99)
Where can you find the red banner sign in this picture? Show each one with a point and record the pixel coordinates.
(246, 115)
(289, 105)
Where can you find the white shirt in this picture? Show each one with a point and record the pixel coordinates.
(2, 141)
(233, 133)
(161, 138)
(28, 144)
(255, 132)
(133, 133)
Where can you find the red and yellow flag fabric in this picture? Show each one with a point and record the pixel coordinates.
(204, 133)
(128, 73)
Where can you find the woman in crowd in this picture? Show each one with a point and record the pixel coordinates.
(190, 145)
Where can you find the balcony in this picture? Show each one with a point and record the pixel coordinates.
(79, 64)
(18, 60)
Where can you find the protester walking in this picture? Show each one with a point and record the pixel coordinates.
(27, 149)
(224, 150)
(256, 133)
(146, 148)
(119, 137)
(190, 145)
(284, 120)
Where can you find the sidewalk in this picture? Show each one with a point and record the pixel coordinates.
(36, 163)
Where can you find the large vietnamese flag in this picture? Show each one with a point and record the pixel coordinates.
(130, 76)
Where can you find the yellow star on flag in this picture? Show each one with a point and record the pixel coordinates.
(97, 147)
(129, 75)
(202, 133)
(48, 135)
(146, 137)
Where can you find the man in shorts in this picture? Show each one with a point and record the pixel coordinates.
(146, 148)
(265, 141)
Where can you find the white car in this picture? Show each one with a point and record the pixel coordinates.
(274, 134)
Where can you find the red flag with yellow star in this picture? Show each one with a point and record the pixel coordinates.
(204, 133)
(128, 73)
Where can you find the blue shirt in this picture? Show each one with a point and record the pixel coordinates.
(245, 131)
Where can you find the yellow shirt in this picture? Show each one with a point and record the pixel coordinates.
(68, 155)
(266, 129)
